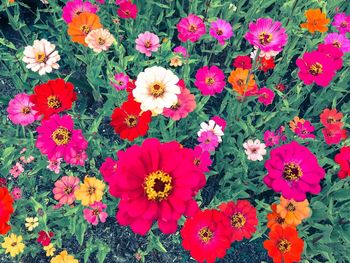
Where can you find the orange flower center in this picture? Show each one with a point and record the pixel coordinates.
(192, 28)
(40, 57)
(279, 220)
(101, 41)
(68, 190)
(85, 29)
(284, 245)
(240, 82)
(209, 81)
(131, 121)
(157, 90)
(291, 207)
(316, 69)
(61, 136)
(53, 102)
(26, 110)
(157, 185)
(336, 44)
(265, 38)
(205, 234)
(219, 32)
(238, 220)
(292, 172)
(148, 44)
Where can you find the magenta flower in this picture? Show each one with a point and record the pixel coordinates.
(293, 170)
(190, 28)
(316, 67)
(75, 7)
(342, 23)
(339, 41)
(304, 130)
(16, 170)
(127, 10)
(266, 96)
(181, 50)
(95, 213)
(333, 53)
(147, 43)
(20, 110)
(118, 2)
(121, 81)
(201, 159)
(244, 62)
(16, 193)
(220, 122)
(271, 139)
(78, 159)
(108, 168)
(267, 35)
(210, 80)
(208, 141)
(221, 30)
(65, 188)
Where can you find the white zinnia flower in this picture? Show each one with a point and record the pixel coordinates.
(99, 39)
(254, 150)
(156, 89)
(31, 223)
(211, 126)
(41, 57)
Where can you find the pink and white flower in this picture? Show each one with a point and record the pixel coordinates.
(255, 150)
(213, 127)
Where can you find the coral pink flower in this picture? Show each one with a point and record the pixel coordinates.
(331, 117)
(201, 158)
(293, 170)
(220, 122)
(342, 23)
(255, 150)
(127, 10)
(338, 41)
(343, 159)
(221, 30)
(185, 104)
(78, 159)
(316, 67)
(108, 168)
(181, 50)
(333, 53)
(16, 193)
(267, 35)
(210, 80)
(95, 212)
(333, 134)
(65, 188)
(208, 141)
(190, 28)
(120, 81)
(266, 96)
(271, 139)
(76, 7)
(244, 62)
(20, 110)
(156, 182)
(304, 130)
(44, 238)
(57, 138)
(146, 43)
(54, 165)
(16, 170)
(99, 40)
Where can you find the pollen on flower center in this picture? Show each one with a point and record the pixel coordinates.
(53, 102)
(148, 44)
(336, 44)
(280, 220)
(238, 220)
(61, 136)
(284, 245)
(209, 81)
(197, 161)
(205, 234)
(265, 38)
(157, 90)
(25, 110)
(158, 185)
(240, 82)
(40, 57)
(91, 190)
(68, 190)
(175, 106)
(316, 69)
(219, 32)
(85, 29)
(192, 28)
(292, 172)
(131, 121)
(13, 244)
(95, 212)
(291, 207)
(101, 41)
(344, 24)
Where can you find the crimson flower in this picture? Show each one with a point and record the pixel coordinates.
(44, 238)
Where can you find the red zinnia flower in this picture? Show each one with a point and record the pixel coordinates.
(284, 245)
(343, 159)
(127, 10)
(242, 216)
(129, 121)
(44, 238)
(333, 134)
(207, 235)
(53, 97)
(331, 117)
(6, 209)
(130, 86)
(266, 64)
(244, 62)
(156, 182)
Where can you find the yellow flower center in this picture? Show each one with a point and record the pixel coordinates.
(316, 69)
(205, 234)
(157, 89)
(85, 29)
(101, 41)
(175, 106)
(292, 172)
(158, 185)
(53, 102)
(61, 136)
(91, 190)
(68, 190)
(192, 28)
(95, 212)
(25, 110)
(265, 38)
(131, 121)
(291, 207)
(209, 81)
(40, 57)
(336, 44)
(284, 245)
(238, 220)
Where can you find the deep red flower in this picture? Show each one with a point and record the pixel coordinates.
(266, 64)
(53, 97)
(331, 117)
(130, 86)
(207, 235)
(129, 121)
(44, 238)
(343, 159)
(127, 10)
(242, 216)
(3, 182)
(6, 209)
(333, 134)
(280, 87)
(244, 62)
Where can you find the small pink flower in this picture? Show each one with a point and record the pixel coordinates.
(109, 168)
(208, 141)
(254, 150)
(244, 62)
(181, 50)
(20, 110)
(342, 23)
(16, 193)
(190, 28)
(280, 132)
(304, 130)
(220, 121)
(76, 7)
(266, 96)
(95, 213)
(127, 10)
(147, 43)
(16, 170)
(78, 159)
(210, 80)
(65, 188)
(202, 159)
(338, 41)
(55, 165)
(271, 139)
(221, 30)
(120, 81)
(25, 160)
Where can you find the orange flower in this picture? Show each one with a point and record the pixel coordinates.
(293, 212)
(284, 245)
(294, 123)
(275, 219)
(316, 21)
(81, 26)
(11, 1)
(238, 80)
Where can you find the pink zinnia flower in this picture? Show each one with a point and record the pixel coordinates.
(339, 41)
(221, 30)
(99, 40)
(271, 139)
(293, 170)
(333, 53)
(147, 43)
(65, 188)
(95, 212)
(255, 150)
(201, 158)
(55, 165)
(212, 126)
(100, 1)
(57, 138)
(181, 50)
(304, 130)
(16, 170)
(108, 168)
(78, 159)
(190, 28)
(342, 23)
(266, 96)
(267, 35)
(185, 104)
(210, 80)
(118, 2)
(244, 62)
(316, 67)
(127, 10)
(220, 122)
(16, 193)
(76, 7)
(208, 141)
(333, 134)
(120, 81)
(20, 110)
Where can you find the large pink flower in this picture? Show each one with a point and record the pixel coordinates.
(191, 28)
(20, 110)
(293, 170)
(156, 182)
(57, 138)
(210, 80)
(76, 7)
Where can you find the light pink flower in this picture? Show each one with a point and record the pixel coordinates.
(210, 80)
(55, 165)
(95, 212)
(25, 160)
(16, 170)
(16, 193)
(76, 7)
(221, 30)
(99, 39)
(266, 96)
(208, 141)
(120, 81)
(339, 41)
(190, 28)
(147, 43)
(255, 150)
(65, 188)
(20, 110)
